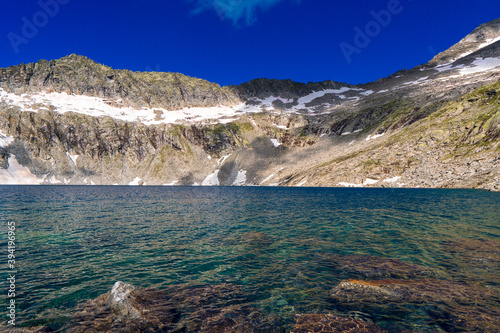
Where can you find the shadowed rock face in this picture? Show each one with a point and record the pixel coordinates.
(306, 323)
(262, 88)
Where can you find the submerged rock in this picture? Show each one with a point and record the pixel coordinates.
(211, 308)
(306, 323)
(373, 267)
(476, 255)
(234, 318)
(125, 309)
(449, 304)
(39, 329)
(410, 291)
(354, 290)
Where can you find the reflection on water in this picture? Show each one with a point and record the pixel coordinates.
(292, 252)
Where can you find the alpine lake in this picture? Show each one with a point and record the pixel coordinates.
(254, 259)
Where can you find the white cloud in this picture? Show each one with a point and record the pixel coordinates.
(235, 10)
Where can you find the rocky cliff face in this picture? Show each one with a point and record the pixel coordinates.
(77, 122)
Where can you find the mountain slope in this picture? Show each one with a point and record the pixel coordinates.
(75, 121)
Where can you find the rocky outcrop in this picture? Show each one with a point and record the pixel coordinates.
(79, 147)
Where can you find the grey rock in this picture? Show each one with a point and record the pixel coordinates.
(119, 300)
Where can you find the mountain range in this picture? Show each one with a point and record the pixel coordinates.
(74, 121)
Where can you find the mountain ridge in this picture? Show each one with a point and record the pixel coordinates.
(58, 74)
(74, 121)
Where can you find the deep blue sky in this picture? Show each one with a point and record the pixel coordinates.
(233, 41)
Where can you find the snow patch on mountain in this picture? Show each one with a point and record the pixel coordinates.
(212, 179)
(275, 142)
(481, 65)
(488, 42)
(5, 140)
(267, 178)
(98, 107)
(373, 137)
(73, 157)
(17, 174)
(135, 182)
(241, 178)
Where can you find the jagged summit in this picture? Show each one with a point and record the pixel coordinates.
(484, 35)
(77, 57)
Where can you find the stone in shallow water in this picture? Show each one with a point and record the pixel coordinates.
(355, 290)
(308, 323)
(211, 308)
(451, 305)
(412, 291)
(119, 300)
(125, 309)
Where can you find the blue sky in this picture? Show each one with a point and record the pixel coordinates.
(233, 41)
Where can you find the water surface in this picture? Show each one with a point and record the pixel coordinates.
(74, 242)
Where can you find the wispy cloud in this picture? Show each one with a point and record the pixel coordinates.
(236, 10)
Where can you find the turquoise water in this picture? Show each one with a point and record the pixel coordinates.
(74, 242)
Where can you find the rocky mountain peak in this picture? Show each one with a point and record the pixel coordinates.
(481, 37)
(79, 75)
(484, 32)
